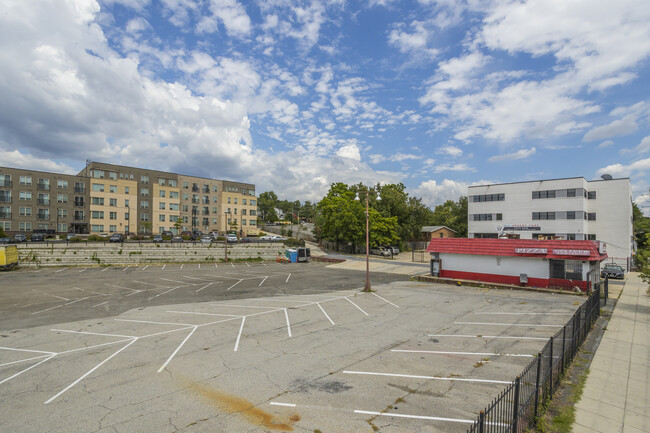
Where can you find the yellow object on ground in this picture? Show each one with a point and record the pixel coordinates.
(8, 257)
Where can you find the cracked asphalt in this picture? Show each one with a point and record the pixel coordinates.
(258, 348)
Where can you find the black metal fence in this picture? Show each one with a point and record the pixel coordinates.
(518, 406)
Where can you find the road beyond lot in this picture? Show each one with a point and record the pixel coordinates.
(257, 348)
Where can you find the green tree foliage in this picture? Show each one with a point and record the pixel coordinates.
(411, 214)
(641, 228)
(453, 215)
(266, 204)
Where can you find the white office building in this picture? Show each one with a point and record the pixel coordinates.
(571, 209)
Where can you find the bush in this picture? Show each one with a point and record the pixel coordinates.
(292, 242)
(75, 239)
(97, 238)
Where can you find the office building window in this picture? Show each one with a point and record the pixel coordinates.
(161, 205)
(112, 188)
(161, 218)
(144, 179)
(144, 192)
(570, 215)
(112, 175)
(591, 216)
(591, 237)
(477, 198)
(173, 194)
(112, 228)
(253, 202)
(482, 217)
(591, 195)
(96, 228)
(161, 193)
(543, 215)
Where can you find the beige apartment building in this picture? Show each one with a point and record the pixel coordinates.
(109, 198)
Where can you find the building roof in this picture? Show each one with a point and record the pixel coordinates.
(550, 249)
(431, 229)
(547, 180)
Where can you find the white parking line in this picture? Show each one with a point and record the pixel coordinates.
(61, 270)
(263, 281)
(275, 403)
(105, 269)
(54, 296)
(163, 268)
(92, 333)
(24, 360)
(286, 315)
(164, 293)
(27, 369)
(204, 314)
(145, 267)
(234, 285)
(97, 305)
(176, 351)
(47, 309)
(232, 264)
(438, 352)
(489, 336)
(241, 328)
(27, 350)
(181, 267)
(350, 301)
(248, 264)
(430, 418)
(412, 376)
(385, 300)
(178, 282)
(288, 278)
(509, 324)
(207, 285)
(328, 317)
(76, 300)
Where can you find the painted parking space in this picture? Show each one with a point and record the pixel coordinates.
(328, 360)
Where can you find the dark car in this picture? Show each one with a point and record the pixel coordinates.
(116, 237)
(177, 238)
(167, 233)
(19, 237)
(157, 238)
(6, 240)
(612, 271)
(37, 237)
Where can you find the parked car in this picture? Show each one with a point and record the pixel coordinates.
(186, 233)
(231, 238)
(392, 248)
(267, 238)
(278, 238)
(19, 237)
(379, 251)
(116, 237)
(69, 236)
(206, 239)
(612, 271)
(177, 238)
(157, 238)
(37, 237)
(246, 240)
(6, 240)
(167, 233)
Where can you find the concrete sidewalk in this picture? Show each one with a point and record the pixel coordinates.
(616, 396)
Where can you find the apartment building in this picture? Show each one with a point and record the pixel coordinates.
(570, 209)
(109, 198)
(36, 200)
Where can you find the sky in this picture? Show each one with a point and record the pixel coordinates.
(294, 95)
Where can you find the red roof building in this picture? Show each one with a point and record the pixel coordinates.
(535, 263)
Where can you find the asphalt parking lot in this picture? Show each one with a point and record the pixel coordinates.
(258, 347)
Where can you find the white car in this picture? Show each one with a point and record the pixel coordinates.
(231, 238)
(205, 239)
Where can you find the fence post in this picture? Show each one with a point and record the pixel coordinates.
(515, 413)
(481, 422)
(563, 344)
(550, 371)
(606, 288)
(539, 373)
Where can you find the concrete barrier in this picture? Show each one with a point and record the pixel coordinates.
(94, 254)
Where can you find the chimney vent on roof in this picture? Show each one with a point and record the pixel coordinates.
(606, 177)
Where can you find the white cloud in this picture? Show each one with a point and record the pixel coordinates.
(624, 126)
(642, 147)
(231, 14)
(17, 159)
(453, 167)
(412, 39)
(520, 154)
(605, 144)
(638, 168)
(350, 151)
(434, 193)
(451, 151)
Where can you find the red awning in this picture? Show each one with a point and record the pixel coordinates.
(551, 249)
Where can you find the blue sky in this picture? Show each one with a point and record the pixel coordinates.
(296, 95)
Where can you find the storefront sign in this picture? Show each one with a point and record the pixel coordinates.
(572, 252)
(531, 250)
(519, 227)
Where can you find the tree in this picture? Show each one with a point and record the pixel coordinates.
(453, 215)
(266, 204)
(146, 225)
(178, 224)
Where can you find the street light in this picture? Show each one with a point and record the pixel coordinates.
(367, 193)
(225, 238)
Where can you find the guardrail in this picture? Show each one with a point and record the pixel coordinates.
(517, 407)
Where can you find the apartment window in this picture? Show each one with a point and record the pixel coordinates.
(243, 201)
(97, 228)
(112, 202)
(243, 212)
(144, 217)
(214, 188)
(172, 182)
(543, 215)
(112, 188)
(206, 189)
(5, 225)
(214, 199)
(243, 222)
(186, 185)
(25, 180)
(173, 194)
(97, 214)
(25, 227)
(78, 215)
(112, 228)
(214, 221)
(251, 222)
(122, 176)
(186, 196)
(206, 211)
(161, 181)
(62, 184)
(591, 195)
(5, 212)
(185, 208)
(62, 228)
(591, 237)
(127, 216)
(79, 201)
(126, 190)
(253, 202)
(144, 204)
(206, 199)
(482, 217)
(44, 184)
(252, 212)
(62, 213)
(161, 218)
(98, 187)
(112, 215)
(144, 192)
(161, 205)
(235, 201)
(144, 179)
(161, 193)
(499, 217)
(235, 211)
(206, 221)
(5, 180)
(43, 214)
(544, 194)
(25, 211)
(44, 199)
(228, 200)
(570, 215)
(79, 187)
(112, 175)
(195, 198)
(22, 195)
(98, 201)
(173, 206)
(97, 174)
(126, 203)
(591, 216)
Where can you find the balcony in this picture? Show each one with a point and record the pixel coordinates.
(5, 215)
(79, 190)
(43, 186)
(206, 201)
(6, 183)
(5, 199)
(206, 190)
(79, 203)
(44, 201)
(195, 188)
(43, 216)
(195, 201)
